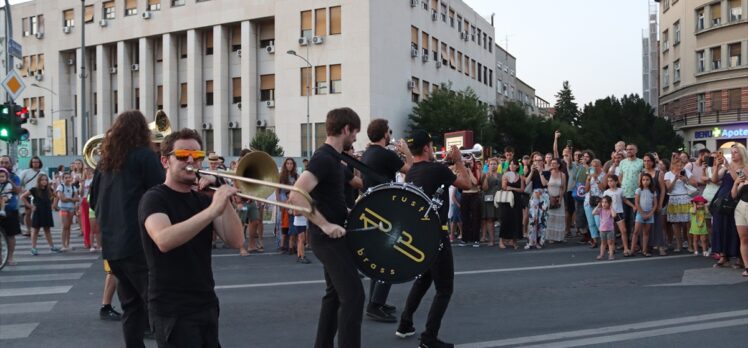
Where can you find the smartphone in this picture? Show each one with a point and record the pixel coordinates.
(740, 173)
(569, 144)
(710, 161)
(683, 173)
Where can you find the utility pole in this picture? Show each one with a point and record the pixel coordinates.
(8, 66)
(84, 113)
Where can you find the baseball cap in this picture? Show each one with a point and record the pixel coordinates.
(418, 139)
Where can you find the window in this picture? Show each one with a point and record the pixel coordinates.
(109, 9)
(183, 95)
(459, 23)
(159, 97)
(306, 24)
(336, 80)
(676, 71)
(154, 5)
(175, 3)
(320, 79)
(95, 104)
(267, 35)
(208, 140)
(415, 92)
(425, 43)
(452, 58)
(445, 54)
(320, 22)
(40, 64)
(700, 61)
(413, 38)
(459, 61)
(735, 56)
(208, 37)
(451, 18)
(490, 45)
(435, 48)
(676, 33)
(305, 80)
(32, 109)
(665, 77)
(41, 106)
(472, 33)
(236, 90)
(466, 69)
(68, 17)
(183, 46)
(25, 27)
(32, 66)
(444, 12)
(733, 99)
(426, 89)
(425, 4)
(480, 72)
(716, 57)
(34, 24)
(716, 101)
(236, 38)
(320, 134)
(158, 49)
(666, 4)
(701, 103)
(131, 7)
(716, 10)
(115, 101)
(490, 78)
(472, 68)
(236, 141)
(136, 94)
(665, 40)
(736, 11)
(209, 92)
(267, 87)
(700, 19)
(335, 28)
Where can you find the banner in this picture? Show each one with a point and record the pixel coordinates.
(59, 138)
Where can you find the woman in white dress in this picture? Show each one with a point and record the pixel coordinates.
(556, 223)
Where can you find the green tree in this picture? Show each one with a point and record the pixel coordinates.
(448, 111)
(267, 141)
(566, 109)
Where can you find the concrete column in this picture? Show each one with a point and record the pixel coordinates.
(147, 88)
(105, 114)
(194, 81)
(725, 4)
(725, 56)
(171, 79)
(248, 112)
(744, 53)
(124, 77)
(707, 16)
(221, 91)
(78, 105)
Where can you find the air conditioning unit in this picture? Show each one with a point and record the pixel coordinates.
(318, 40)
(39, 35)
(413, 52)
(70, 61)
(135, 67)
(239, 105)
(113, 70)
(262, 123)
(303, 41)
(234, 124)
(238, 53)
(270, 49)
(103, 23)
(434, 15)
(438, 64)
(66, 30)
(270, 104)
(19, 65)
(413, 3)
(411, 84)
(146, 15)
(39, 76)
(425, 58)
(207, 125)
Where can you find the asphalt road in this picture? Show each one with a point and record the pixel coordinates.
(555, 297)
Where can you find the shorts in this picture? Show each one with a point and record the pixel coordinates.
(10, 223)
(67, 211)
(607, 235)
(741, 214)
(297, 230)
(619, 217)
(641, 220)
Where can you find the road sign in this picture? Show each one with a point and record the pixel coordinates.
(14, 48)
(13, 84)
(24, 149)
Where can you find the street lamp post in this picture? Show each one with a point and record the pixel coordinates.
(308, 95)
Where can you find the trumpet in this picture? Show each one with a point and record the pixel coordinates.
(257, 177)
(476, 153)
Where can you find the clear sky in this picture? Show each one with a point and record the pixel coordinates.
(595, 44)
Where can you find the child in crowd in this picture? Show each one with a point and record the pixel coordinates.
(645, 199)
(41, 218)
(698, 225)
(615, 193)
(67, 199)
(607, 232)
(6, 190)
(539, 203)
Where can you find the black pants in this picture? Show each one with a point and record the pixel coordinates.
(378, 292)
(470, 209)
(442, 274)
(195, 330)
(343, 304)
(629, 214)
(132, 290)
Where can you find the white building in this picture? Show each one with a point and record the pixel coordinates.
(221, 65)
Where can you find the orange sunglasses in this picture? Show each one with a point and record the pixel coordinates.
(183, 155)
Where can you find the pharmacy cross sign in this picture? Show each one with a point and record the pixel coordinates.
(13, 84)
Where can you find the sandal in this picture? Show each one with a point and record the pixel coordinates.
(627, 253)
(599, 257)
(745, 273)
(663, 252)
(647, 254)
(721, 263)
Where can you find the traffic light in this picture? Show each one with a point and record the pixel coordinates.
(6, 124)
(12, 117)
(22, 117)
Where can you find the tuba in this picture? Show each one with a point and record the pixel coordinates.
(160, 128)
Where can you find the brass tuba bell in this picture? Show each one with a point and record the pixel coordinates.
(160, 128)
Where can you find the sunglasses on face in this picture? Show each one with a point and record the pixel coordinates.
(183, 155)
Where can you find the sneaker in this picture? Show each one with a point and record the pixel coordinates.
(303, 260)
(527, 247)
(34, 251)
(434, 343)
(108, 313)
(376, 313)
(706, 254)
(476, 245)
(63, 249)
(405, 330)
(55, 250)
(389, 308)
(695, 253)
(93, 250)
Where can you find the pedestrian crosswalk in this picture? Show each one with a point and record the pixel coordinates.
(34, 286)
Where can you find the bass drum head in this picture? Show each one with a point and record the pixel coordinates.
(404, 242)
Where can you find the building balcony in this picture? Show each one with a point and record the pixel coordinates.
(707, 118)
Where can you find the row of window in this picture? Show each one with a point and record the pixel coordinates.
(108, 10)
(456, 21)
(430, 47)
(735, 59)
(322, 18)
(32, 25)
(733, 101)
(32, 65)
(320, 79)
(715, 14)
(35, 106)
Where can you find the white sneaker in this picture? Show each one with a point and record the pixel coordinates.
(695, 253)
(527, 247)
(706, 254)
(93, 250)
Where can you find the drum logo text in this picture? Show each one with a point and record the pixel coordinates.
(404, 241)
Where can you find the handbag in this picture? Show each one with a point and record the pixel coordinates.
(503, 197)
(724, 205)
(594, 201)
(555, 202)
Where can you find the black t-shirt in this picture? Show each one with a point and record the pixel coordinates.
(385, 162)
(429, 176)
(329, 194)
(350, 192)
(181, 280)
(536, 182)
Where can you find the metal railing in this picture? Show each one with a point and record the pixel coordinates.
(707, 118)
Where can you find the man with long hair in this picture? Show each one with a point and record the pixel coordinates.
(127, 169)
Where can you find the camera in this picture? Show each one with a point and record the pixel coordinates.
(710, 161)
(683, 172)
(740, 173)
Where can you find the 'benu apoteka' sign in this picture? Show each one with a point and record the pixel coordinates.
(725, 132)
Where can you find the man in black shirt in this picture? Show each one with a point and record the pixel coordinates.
(430, 176)
(387, 164)
(127, 169)
(177, 225)
(324, 178)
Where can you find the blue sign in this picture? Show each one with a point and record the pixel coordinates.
(726, 132)
(14, 48)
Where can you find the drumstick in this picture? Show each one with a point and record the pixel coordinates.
(366, 229)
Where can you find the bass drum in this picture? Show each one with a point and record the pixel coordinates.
(393, 232)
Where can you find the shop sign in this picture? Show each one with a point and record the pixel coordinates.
(725, 133)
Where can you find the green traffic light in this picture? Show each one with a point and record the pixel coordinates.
(3, 133)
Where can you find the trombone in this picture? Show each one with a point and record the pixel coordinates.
(257, 176)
